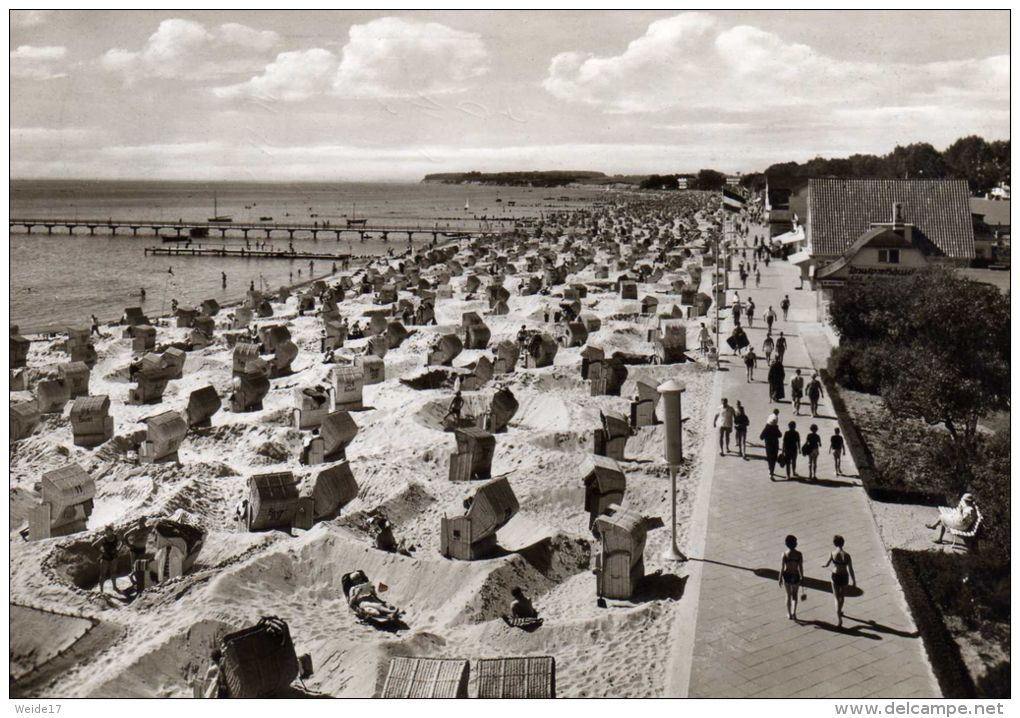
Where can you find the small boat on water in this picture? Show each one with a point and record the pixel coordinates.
(354, 221)
(265, 219)
(197, 233)
(217, 217)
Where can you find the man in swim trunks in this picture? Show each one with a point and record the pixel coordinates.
(137, 540)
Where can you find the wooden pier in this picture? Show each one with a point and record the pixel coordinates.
(183, 229)
(187, 250)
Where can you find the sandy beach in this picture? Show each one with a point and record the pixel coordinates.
(154, 645)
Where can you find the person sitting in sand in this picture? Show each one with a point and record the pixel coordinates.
(521, 606)
(962, 519)
(381, 527)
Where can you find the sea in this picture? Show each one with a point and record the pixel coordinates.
(60, 280)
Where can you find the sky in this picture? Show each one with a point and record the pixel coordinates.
(380, 95)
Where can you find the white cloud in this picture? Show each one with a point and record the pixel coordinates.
(291, 76)
(692, 61)
(38, 62)
(386, 57)
(184, 49)
(29, 18)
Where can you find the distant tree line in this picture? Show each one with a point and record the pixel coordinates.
(708, 180)
(555, 178)
(983, 164)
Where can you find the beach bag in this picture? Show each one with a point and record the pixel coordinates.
(781, 459)
(806, 449)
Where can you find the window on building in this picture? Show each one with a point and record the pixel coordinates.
(888, 256)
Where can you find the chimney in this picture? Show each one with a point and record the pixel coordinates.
(897, 214)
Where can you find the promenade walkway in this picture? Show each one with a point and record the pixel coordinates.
(744, 644)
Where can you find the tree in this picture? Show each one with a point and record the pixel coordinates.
(942, 345)
(709, 181)
(917, 161)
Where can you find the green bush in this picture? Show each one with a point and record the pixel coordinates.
(943, 652)
(860, 366)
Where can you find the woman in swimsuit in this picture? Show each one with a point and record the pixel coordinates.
(812, 445)
(109, 546)
(842, 574)
(791, 573)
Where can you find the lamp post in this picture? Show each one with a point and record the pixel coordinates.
(673, 452)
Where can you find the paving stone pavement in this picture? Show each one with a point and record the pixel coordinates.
(744, 645)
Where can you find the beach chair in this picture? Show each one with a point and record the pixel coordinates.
(164, 434)
(604, 485)
(473, 458)
(330, 489)
(347, 388)
(470, 533)
(76, 376)
(611, 439)
(91, 423)
(68, 496)
(19, 351)
(373, 369)
(259, 661)
(24, 417)
(620, 564)
(417, 677)
(445, 350)
(202, 404)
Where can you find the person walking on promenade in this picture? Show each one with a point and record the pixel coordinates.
(750, 312)
(814, 394)
(751, 362)
(743, 276)
(780, 347)
(771, 436)
(767, 346)
(777, 380)
(704, 339)
(740, 424)
(836, 448)
(757, 277)
(724, 421)
(791, 447)
(767, 256)
(791, 574)
(796, 391)
(812, 446)
(842, 574)
(785, 306)
(738, 340)
(770, 318)
(737, 309)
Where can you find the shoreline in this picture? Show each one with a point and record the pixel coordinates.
(358, 262)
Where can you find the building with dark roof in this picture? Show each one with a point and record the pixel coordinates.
(882, 228)
(841, 210)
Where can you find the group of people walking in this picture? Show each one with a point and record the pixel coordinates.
(791, 575)
(782, 447)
